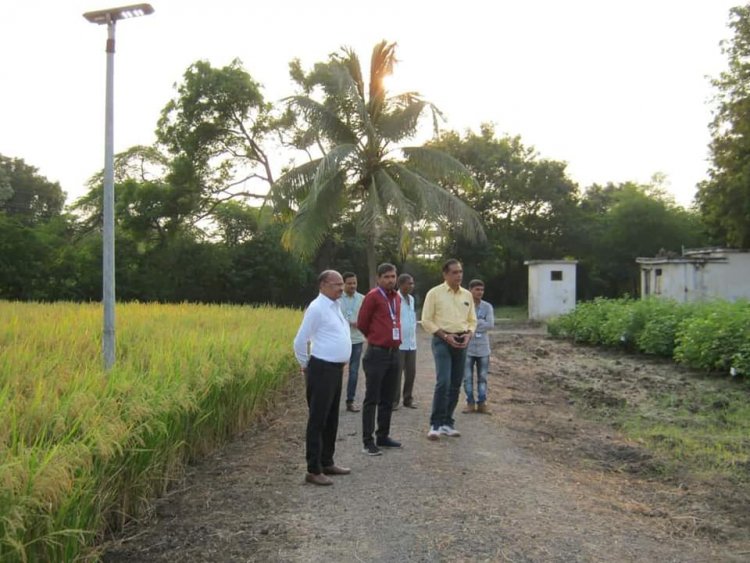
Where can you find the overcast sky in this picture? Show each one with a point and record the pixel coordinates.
(618, 90)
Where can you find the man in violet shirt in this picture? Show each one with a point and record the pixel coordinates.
(478, 352)
(379, 320)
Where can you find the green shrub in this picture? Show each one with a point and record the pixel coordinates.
(562, 326)
(624, 323)
(716, 337)
(660, 329)
(589, 318)
(712, 336)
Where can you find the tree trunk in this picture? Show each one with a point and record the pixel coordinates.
(371, 261)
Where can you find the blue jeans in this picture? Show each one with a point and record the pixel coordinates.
(351, 382)
(483, 368)
(449, 373)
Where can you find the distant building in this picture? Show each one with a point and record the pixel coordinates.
(552, 288)
(697, 275)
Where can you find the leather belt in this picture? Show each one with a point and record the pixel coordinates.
(337, 364)
(388, 349)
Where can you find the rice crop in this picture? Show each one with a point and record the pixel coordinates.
(81, 450)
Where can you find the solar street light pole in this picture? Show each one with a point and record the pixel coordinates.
(109, 17)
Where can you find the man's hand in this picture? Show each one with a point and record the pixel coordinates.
(454, 342)
(303, 371)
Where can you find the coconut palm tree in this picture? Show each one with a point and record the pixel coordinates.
(364, 173)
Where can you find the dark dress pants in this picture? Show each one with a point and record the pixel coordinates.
(381, 379)
(323, 396)
(407, 371)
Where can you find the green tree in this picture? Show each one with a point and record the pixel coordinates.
(724, 199)
(27, 195)
(527, 204)
(365, 175)
(619, 223)
(216, 130)
(146, 205)
(236, 222)
(33, 232)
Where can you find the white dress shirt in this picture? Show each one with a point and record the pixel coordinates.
(326, 330)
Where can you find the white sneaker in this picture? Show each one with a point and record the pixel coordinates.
(447, 430)
(434, 433)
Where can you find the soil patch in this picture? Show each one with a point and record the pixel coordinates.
(533, 482)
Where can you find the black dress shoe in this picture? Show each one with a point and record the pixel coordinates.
(387, 443)
(410, 405)
(371, 449)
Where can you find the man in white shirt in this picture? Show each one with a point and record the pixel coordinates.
(322, 347)
(407, 352)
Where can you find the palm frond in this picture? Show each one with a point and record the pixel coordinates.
(403, 99)
(295, 183)
(438, 166)
(391, 194)
(351, 62)
(307, 230)
(405, 241)
(381, 65)
(372, 213)
(329, 167)
(401, 123)
(352, 101)
(436, 202)
(323, 119)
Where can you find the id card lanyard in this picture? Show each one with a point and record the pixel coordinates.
(392, 311)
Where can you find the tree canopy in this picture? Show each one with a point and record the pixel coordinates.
(195, 221)
(724, 199)
(364, 173)
(27, 195)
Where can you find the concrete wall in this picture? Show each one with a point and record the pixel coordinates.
(552, 288)
(687, 280)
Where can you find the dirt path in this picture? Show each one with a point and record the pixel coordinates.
(532, 482)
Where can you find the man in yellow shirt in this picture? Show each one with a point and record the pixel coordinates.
(448, 314)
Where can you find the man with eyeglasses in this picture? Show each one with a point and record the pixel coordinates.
(448, 314)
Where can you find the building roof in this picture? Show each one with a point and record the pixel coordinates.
(536, 262)
(692, 256)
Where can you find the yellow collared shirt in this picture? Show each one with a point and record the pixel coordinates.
(451, 311)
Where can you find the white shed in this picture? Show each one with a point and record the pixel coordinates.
(552, 288)
(698, 275)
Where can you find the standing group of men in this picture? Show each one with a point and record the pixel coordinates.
(333, 332)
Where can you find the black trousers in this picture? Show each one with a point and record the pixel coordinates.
(407, 368)
(381, 377)
(323, 395)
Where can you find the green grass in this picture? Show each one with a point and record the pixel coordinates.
(514, 314)
(706, 428)
(702, 428)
